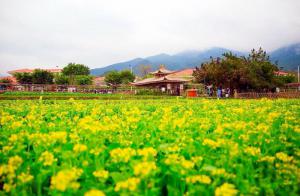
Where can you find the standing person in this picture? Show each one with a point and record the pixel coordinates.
(223, 92)
(235, 93)
(227, 92)
(219, 92)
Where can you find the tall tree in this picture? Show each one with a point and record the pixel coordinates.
(23, 78)
(73, 70)
(42, 77)
(115, 78)
(126, 76)
(83, 80)
(254, 72)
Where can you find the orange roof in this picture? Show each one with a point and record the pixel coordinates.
(11, 78)
(99, 81)
(162, 70)
(183, 73)
(281, 73)
(31, 70)
(159, 80)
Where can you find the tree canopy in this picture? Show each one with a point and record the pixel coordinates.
(42, 77)
(38, 76)
(73, 69)
(115, 78)
(75, 74)
(23, 78)
(243, 73)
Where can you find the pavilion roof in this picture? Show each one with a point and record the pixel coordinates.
(162, 70)
(160, 80)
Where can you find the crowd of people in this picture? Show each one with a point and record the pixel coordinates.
(220, 92)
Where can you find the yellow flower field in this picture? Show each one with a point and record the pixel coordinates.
(150, 147)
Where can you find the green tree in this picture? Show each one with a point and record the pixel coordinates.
(42, 77)
(84, 80)
(126, 76)
(73, 70)
(254, 72)
(113, 78)
(23, 78)
(61, 79)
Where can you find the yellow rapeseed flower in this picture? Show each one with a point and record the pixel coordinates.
(226, 189)
(101, 174)
(211, 143)
(284, 157)
(147, 152)
(47, 158)
(198, 178)
(129, 184)
(78, 148)
(15, 161)
(94, 192)
(7, 187)
(66, 179)
(122, 155)
(143, 169)
(252, 151)
(24, 178)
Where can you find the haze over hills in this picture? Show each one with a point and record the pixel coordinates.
(286, 57)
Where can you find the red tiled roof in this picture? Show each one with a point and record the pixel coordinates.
(159, 80)
(182, 73)
(31, 70)
(99, 81)
(162, 70)
(11, 78)
(281, 73)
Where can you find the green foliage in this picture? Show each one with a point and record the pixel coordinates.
(24, 78)
(42, 77)
(84, 80)
(281, 80)
(73, 69)
(126, 76)
(254, 72)
(61, 79)
(115, 78)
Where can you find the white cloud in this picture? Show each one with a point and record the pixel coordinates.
(36, 33)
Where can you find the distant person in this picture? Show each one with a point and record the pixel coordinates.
(227, 92)
(235, 93)
(219, 92)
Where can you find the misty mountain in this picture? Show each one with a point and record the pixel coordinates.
(287, 57)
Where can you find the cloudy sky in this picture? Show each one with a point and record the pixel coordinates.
(50, 33)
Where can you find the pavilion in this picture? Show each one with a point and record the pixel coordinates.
(168, 81)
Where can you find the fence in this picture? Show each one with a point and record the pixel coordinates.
(253, 95)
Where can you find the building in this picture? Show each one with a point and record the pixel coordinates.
(168, 81)
(281, 73)
(32, 70)
(99, 81)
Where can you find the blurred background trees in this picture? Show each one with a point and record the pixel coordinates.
(255, 72)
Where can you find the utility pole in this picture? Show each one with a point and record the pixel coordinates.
(298, 74)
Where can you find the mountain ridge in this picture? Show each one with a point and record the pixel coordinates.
(287, 57)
